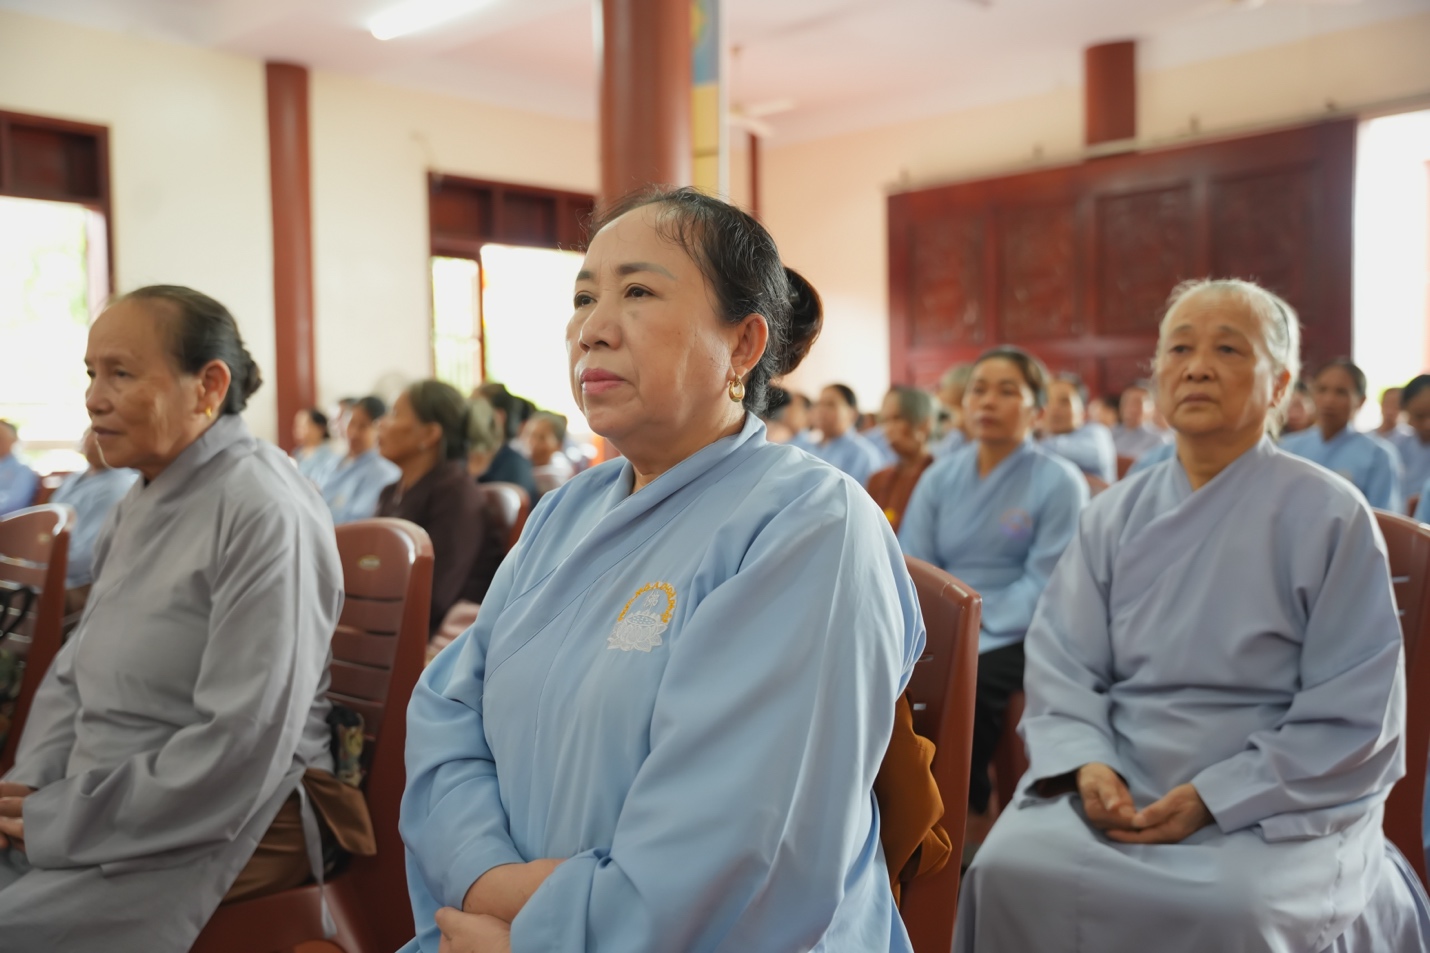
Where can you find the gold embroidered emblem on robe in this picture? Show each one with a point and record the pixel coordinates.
(640, 629)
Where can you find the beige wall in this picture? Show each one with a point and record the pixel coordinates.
(188, 162)
(371, 148)
(825, 199)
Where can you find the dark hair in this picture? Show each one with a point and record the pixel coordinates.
(1356, 374)
(1035, 374)
(319, 419)
(739, 259)
(435, 402)
(1069, 377)
(1417, 384)
(371, 405)
(503, 400)
(776, 400)
(846, 393)
(200, 331)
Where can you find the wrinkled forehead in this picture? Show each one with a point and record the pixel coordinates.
(1215, 311)
(131, 330)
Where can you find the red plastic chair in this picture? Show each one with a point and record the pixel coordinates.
(378, 652)
(941, 692)
(1408, 544)
(34, 552)
(508, 504)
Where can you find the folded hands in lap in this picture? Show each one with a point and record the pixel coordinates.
(1109, 808)
(483, 925)
(12, 820)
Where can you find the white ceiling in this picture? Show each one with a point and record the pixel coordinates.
(848, 64)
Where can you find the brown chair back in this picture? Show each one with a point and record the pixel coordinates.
(1123, 465)
(1408, 544)
(1095, 484)
(940, 693)
(378, 652)
(509, 505)
(1412, 503)
(34, 552)
(47, 486)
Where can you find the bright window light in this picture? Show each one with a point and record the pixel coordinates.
(416, 15)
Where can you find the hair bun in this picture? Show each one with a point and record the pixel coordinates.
(252, 380)
(806, 320)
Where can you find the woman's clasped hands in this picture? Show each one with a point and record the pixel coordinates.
(1109, 808)
(483, 925)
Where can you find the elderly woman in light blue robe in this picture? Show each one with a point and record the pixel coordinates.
(185, 711)
(663, 730)
(1215, 692)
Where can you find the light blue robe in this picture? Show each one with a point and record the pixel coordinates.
(851, 452)
(17, 484)
(1414, 455)
(1135, 441)
(1001, 534)
(1089, 448)
(1153, 457)
(1242, 638)
(92, 494)
(1369, 463)
(953, 440)
(686, 691)
(317, 463)
(351, 489)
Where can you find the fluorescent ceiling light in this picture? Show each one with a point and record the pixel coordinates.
(418, 15)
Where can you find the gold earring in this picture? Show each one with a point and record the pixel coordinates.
(737, 390)
(209, 413)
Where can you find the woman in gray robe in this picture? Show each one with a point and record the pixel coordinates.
(1215, 692)
(182, 714)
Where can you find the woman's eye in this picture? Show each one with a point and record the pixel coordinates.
(636, 291)
(584, 300)
(1180, 348)
(1228, 349)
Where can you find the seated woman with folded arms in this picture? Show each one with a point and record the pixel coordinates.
(1215, 691)
(663, 730)
(160, 766)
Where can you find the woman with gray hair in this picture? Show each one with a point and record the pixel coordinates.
(907, 419)
(1215, 690)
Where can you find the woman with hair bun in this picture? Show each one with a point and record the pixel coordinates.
(160, 766)
(427, 434)
(663, 730)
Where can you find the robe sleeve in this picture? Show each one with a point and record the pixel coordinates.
(1340, 740)
(49, 734)
(1382, 488)
(1068, 671)
(918, 532)
(1422, 507)
(1010, 609)
(273, 609)
(453, 822)
(750, 818)
(20, 492)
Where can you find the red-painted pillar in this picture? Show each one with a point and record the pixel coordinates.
(294, 373)
(1110, 86)
(644, 51)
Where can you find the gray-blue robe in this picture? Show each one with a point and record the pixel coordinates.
(1242, 638)
(183, 711)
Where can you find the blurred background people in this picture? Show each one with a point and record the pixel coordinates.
(315, 459)
(507, 465)
(907, 418)
(950, 397)
(841, 445)
(427, 434)
(1105, 410)
(351, 489)
(1086, 444)
(545, 436)
(1413, 443)
(1391, 419)
(1136, 434)
(17, 481)
(1368, 462)
(1300, 409)
(92, 493)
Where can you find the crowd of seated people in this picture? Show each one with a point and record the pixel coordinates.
(675, 714)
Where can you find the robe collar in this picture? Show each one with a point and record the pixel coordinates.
(229, 430)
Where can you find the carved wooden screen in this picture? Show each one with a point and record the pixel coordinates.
(1075, 263)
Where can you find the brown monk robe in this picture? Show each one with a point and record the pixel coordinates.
(909, 805)
(280, 862)
(892, 487)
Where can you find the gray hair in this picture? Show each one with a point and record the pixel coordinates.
(956, 376)
(1280, 328)
(915, 405)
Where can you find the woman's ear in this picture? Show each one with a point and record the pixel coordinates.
(1278, 387)
(754, 337)
(214, 380)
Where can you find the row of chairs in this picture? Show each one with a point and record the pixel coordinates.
(378, 651)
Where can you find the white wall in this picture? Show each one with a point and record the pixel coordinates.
(188, 163)
(372, 146)
(825, 200)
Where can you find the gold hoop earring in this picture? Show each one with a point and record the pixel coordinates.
(737, 390)
(209, 413)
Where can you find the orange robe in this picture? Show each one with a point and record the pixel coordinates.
(892, 487)
(909, 805)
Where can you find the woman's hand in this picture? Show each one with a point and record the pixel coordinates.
(1177, 816)
(472, 932)
(1105, 798)
(502, 891)
(12, 819)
